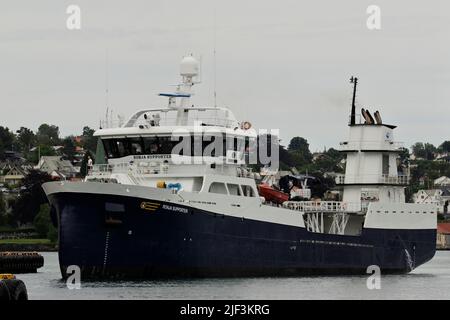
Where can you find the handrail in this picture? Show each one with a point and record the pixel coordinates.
(324, 206)
(373, 178)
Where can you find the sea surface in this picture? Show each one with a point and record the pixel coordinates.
(429, 281)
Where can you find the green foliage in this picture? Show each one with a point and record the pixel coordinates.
(299, 147)
(69, 148)
(424, 150)
(43, 224)
(7, 139)
(3, 217)
(48, 135)
(329, 161)
(41, 150)
(26, 139)
(445, 146)
(89, 141)
(42, 221)
(31, 198)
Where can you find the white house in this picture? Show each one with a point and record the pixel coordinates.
(442, 181)
(439, 197)
(432, 196)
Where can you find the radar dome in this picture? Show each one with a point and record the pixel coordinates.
(189, 66)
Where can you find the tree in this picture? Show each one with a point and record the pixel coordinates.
(69, 148)
(43, 223)
(404, 156)
(48, 135)
(418, 150)
(89, 141)
(41, 151)
(328, 162)
(445, 146)
(430, 151)
(26, 139)
(3, 218)
(424, 150)
(7, 139)
(299, 150)
(30, 199)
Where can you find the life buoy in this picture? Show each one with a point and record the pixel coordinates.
(246, 125)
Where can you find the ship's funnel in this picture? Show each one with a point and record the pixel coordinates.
(378, 117)
(367, 116)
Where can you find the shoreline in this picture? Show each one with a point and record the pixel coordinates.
(28, 247)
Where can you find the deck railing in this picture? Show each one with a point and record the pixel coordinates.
(324, 206)
(374, 179)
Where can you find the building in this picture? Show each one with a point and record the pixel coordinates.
(57, 167)
(439, 197)
(432, 196)
(443, 157)
(12, 173)
(443, 236)
(442, 182)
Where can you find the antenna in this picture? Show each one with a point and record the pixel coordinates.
(214, 56)
(106, 88)
(353, 80)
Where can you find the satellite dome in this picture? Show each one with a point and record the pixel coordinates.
(189, 66)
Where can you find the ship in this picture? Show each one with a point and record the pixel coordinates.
(150, 210)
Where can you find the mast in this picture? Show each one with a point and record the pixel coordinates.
(353, 80)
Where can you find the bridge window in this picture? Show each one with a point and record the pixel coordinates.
(163, 145)
(218, 187)
(234, 189)
(248, 191)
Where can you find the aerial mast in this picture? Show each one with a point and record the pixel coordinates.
(353, 80)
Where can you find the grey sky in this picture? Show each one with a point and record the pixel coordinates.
(280, 64)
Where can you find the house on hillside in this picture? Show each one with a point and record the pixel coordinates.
(57, 167)
(432, 196)
(12, 173)
(443, 157)
(442, 181)
(439, 197)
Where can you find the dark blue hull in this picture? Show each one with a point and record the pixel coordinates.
(132, 237)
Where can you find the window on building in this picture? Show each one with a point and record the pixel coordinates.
(385, 164)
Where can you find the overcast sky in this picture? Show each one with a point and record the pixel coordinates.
(280, 64)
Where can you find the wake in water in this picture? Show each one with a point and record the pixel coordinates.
(409, 260)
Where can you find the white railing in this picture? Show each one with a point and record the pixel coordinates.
(400, 179)
(169, 117)
(373, 178)
(323, 206)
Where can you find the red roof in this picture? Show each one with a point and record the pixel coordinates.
(443, 228)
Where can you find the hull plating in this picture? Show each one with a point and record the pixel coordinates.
(115, 236)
